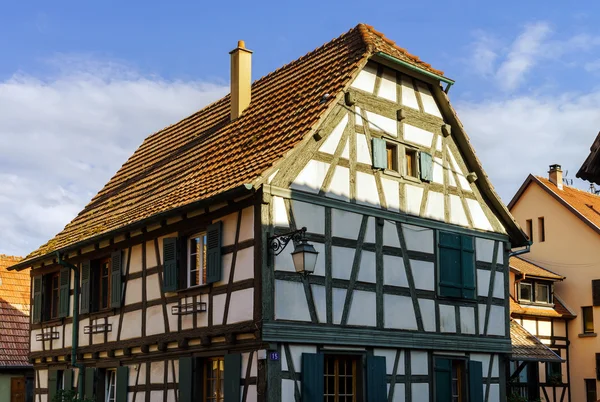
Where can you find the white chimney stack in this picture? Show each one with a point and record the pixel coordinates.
(555, 176)
(241, 79)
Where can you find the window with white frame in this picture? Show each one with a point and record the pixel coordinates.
(111, 386)
(542, 293)
(525, 292)
(196, 267)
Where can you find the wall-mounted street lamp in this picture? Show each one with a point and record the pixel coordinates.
(304, 254)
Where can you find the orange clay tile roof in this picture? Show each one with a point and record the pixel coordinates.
(14, 314)
(526, 347)
(559, 310)
(530, 269)
(206, 154)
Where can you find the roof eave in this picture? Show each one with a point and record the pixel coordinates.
(417, 69)
(236, 191)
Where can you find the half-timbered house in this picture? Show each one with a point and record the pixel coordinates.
(184, 293)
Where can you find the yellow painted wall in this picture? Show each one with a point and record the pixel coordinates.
(570, 249)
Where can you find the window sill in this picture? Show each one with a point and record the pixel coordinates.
(588, 335)
(534, 304)
(412, 179)
(52, 322)
(101, 314)
(191, 290)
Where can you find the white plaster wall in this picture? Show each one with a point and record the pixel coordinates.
(252, 395)
(156, 396)
(419, 363)
(339, 188)
(311, 178)
(387, 87)
(499, 285)
(417, 135)
(366, 272)
(399, 312)
(296, 352)
(423, 274)
(366, 190)
(494, 394)
(370, 232)
(341, 262)
(429, 104)
(483, 282)
(333, 139)
(157, 373)
(420, 392)
(362, 309)
(346, 150)
(153, 287)
(409, 97)
(150, 254)
(290, 301)
(530, 326)
(480, 221)
(218, 308)
(391, 194)
(287, 390)
(382, 123)
(467, 320)
(413, 196)
(365, 80)
(253, 364)
(35, 346)
(155, 321)
(173, 319)
(358, 117)
(339, 298)
(134, 291)
(399, 392)
(484, 249)
(438, 170)
(241, 306)
(434, 207)
(447, 318)
(132, 325)
(320, 301)
(69, 334)
(43, 376)
(363, 155)
(497, 320)
(244, 265)
(390, 234)
(394, 272)
(280, 217)
(140, 396)
(84, 339)
(135, 264)
(309, 215)
(428, 314)
(345, 224)
(457, 212)
(418, 238)
(390, 357)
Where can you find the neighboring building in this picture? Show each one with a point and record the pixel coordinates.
(536, 307)
(16, 372)
(183, 298)
(564, 225)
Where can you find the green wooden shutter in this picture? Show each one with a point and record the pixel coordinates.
(232, 377)
(475, 381)
(213, 253)
(450, 261)
(170, 266)
(116, 272)
(443, 380)
(596, 292)
(122, 383)
(68, 380)
(52, 384)
(379, 153)
(85, 287)
(90, 378)
(37, 299)
(468, 267)
(313, 377)
(426, 166)
(64, 296)
(376, 379)
(186, 371)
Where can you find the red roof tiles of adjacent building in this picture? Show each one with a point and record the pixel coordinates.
(526, 347)
(530, 269)
(14, 314)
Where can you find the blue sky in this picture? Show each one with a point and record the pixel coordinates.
(76, 76)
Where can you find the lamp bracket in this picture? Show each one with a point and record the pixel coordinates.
(278, 242)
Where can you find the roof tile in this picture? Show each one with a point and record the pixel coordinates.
(530, 269)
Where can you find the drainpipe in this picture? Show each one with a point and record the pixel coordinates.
(75, 331)
(519, 252)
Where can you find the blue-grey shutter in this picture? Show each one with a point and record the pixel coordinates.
(90, 378)
(379, 153)
(186, 371)
(37, 299)
(468, 267)
(116, 269)
(170, 266)
(313, 377)
(443, 380)
(64, 296)
(475, 381)
(426, 166)
(213, 253)
(86, 272)
(68, 380)
(450, 248)
(122, 384)
(232, 377)
(52, 384)
(376, 379)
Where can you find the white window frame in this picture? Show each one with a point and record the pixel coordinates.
(547, 293)
(530, 291)
(201, 264)
(110, 384)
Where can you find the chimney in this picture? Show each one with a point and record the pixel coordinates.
(555, 176)
(241, 79)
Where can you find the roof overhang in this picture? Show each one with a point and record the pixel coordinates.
(527, 347)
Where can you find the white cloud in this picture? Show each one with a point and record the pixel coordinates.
(62, 138)
(523, 55)
(521, 135)
(484, 53)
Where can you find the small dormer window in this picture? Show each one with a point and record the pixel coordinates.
(525, 292)
(542, 293)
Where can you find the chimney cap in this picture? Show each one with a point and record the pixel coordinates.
(241, 45)
(555, 167)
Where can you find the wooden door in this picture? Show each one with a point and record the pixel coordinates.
(17, 389)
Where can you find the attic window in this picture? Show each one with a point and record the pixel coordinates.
(525, 292)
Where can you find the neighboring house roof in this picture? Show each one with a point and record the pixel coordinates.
(529, 269)
(585, 205)
(526, 347)
(560, 310)
(206, 154)
(14, 314)
(590, 170)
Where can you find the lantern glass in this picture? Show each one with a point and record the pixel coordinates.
(305, 258)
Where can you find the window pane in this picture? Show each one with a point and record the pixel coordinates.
(588, 319)
(410, 164)
(541, 293)
(525, 291)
